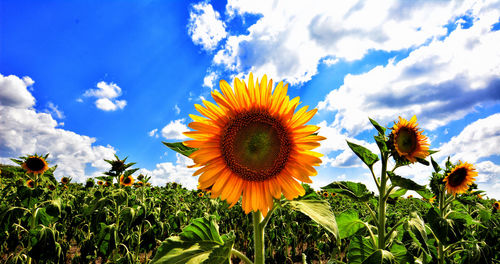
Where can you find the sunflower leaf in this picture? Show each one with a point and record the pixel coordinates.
(435, 165)
(319, 211)
(364, 154)
(380, 256)
(199, 242)
(360, 249)
(355, 190)
(349, 223)
(404, 183)
(423, 161)
(180, 148)
(380, 129)
(398, 193)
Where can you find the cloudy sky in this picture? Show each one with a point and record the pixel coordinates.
(82, 81)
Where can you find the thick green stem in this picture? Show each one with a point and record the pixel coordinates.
(442, 207)
(382, 203)
(240, 255)
(258, 238)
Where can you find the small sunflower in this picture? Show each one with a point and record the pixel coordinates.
(460, 177)
(408, 142)
(107, 184)
(200, 194)
(35, 164)
(479, 196)
(30, 183)
(334, 194)
(252, 144)
(51, 187)
(100, 183)
(496, 205)
(64, 180)
(128, 181)
(140, 184)
(148, 184)
(409, 196)
(326, 194)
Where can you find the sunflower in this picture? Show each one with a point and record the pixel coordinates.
(30, 183)
(334, 194)
(148, 184)
(479, 196)
(126, 181)
(408, 142)
(35, 164)
(460, 177)
(253, 145)
(51, 187)
(140, 184)
(64, 180)
(100, 183)
(107, 184)
(409, 196)
(200, 194)
(496, 205)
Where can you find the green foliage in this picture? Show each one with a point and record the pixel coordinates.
(364, 154)
(180, 148)
(355, 190)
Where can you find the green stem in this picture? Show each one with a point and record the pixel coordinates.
(371, 233)
(374, 217)
(382, 203)
(258, 238)
(375, 178)
(241, 256)
(442, 207)
(400, 222)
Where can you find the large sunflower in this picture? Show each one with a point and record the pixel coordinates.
(408, 141)
(253, 144)
(35, 164)
(126, 181)
(460, 177)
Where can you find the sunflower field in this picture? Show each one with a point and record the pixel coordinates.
(253, 153)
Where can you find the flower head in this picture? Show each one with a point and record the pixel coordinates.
(126, 181)
(496, 205)
(35, 164)
(460, 177)
(253, 145)
(51, 187)
(200, 194)
(407, 140)
(64, 180)
(30, 183)
(100, 183)
(107, 184)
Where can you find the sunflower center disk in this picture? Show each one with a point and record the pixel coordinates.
(406, 140)
(35, 164)
(457, 177)
(255, 146)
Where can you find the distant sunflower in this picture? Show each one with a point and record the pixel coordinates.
(148, 184)
(140, 184)
(200, 194)
(326, 194)
(51, 187)
(479, 196)
(30, 183)
(128, 181)
(107, 184)
(35, 164)
(334, 194)
(253, 145)
(64, 180)
(496, 205)
(100, 183)
(408, 142)
(460, 177)
(409, 196)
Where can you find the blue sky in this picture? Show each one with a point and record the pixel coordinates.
(85, 80)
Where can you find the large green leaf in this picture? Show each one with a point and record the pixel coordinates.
(380, 129)
(438, 225)
(416, 226)
(425, 193)
(380, 256)
(348, 223)
(199, 242)
(364, 154)
(398, 193)
(404, 183)
(355, 190)
(180, 148)
(360, 248)
(319, 211)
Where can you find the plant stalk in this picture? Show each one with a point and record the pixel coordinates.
(382, 203)
(258, 238)
(240, 255)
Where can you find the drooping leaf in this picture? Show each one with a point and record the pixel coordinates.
(319, 211)
(355, 190)
(404, 183)
(349, 223)
(423, 161)
(180, 148)
(199, 242)
(415, 224)
(364, 154)
(435, 165)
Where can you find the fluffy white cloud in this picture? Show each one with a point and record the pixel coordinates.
(174, 130)
(24, 131)
(153, 133)
(209, 80)
(205, 28)
(106, 94)
(292, 37)
(173, 172)
(435, 82)
(54, 110)
(14, 92)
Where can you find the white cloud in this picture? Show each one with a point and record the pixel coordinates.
(54, 110)
(174, 130)
(153, 133)
(170, 172)
(177, 109)
(205, 28)
(435, 82)
(292, 37)
(14, 91)
(209, 80)
(106, 94)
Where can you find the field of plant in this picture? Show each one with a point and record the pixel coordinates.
(54, 222)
